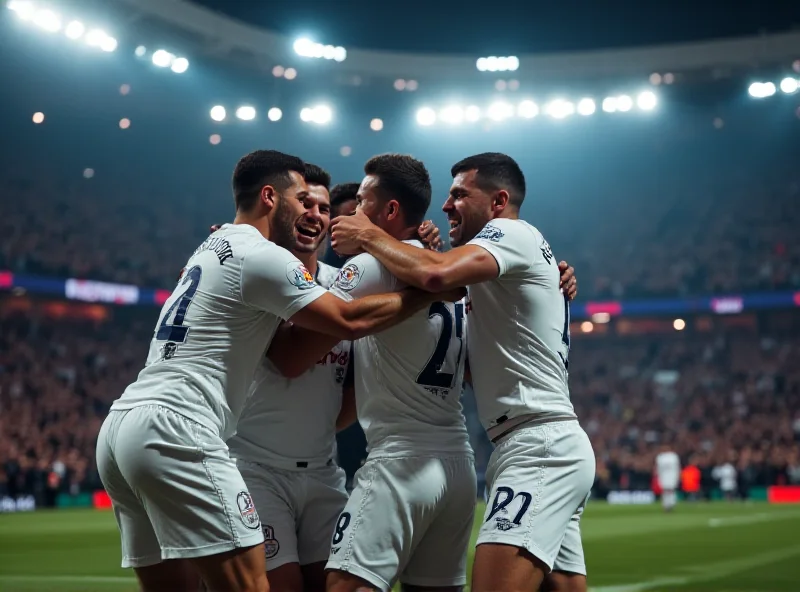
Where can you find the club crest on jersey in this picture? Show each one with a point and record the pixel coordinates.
(348, 277)
(491, 233)
(271, 544)
(299, 276)
(248, 510)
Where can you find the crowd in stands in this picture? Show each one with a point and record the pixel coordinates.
(715, 398)
(666, 247)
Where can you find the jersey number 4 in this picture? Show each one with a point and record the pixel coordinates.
(177, 331)
(432, 375)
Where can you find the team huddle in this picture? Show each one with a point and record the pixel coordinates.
(220, 459)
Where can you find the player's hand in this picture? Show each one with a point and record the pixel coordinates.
(452, 295)
(214, 228)
(569, 283)
(348, 232)
(429, 235)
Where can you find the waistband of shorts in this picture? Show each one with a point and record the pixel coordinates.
(288, 464)
(163, 408)
(506, 429)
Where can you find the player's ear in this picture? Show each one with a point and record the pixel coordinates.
(392, 209)
(500, 200)
(268, 196)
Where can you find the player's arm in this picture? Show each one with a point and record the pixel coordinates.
(347, 413)
(421, 268)
(316, 328)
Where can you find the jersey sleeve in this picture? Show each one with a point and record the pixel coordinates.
(509, 242)
(364, 275)
(276, 281)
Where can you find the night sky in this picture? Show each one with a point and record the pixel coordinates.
(502, 27)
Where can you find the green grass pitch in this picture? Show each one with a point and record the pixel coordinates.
(718, 547)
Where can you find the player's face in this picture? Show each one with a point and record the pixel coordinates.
(345, 208)
(312, 225)
(288, 209)
(370, 202)
(468, 208)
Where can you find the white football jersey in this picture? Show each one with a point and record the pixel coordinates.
(668, 464)
(291, 423)
(216, 325)
(519, 330)
(408, 378)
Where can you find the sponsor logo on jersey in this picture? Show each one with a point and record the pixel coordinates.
(247, 510)
(547, 252)
(491, 233)
(299, 276)
(348, 277)
(271, 544)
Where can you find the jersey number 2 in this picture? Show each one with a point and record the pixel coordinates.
(432, 375)
(176, 332)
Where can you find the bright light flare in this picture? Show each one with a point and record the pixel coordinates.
(162, 58)
(218, 113)
(472, 113)
(762, 90)
(246, 113)
(321, 114)
(74, 30)
(610, 104)
(647, 100)
(789, 85)
(376, 125)
(452, 114)
(586, 107)
(426, 116)
(108, 44)
(47, 20)
(624, 103)
(500, 110)
(528, 109)
(274, 114)
(24, 10)
(560, 109)
(180, 65)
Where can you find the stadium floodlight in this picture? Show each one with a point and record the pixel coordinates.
(304, 47)
(47, 20)
(610, 104)
(246, 113)
(586, 106)
(498, 64)
(376, 125)
(95, 38)
(789, 85)
(647, 100)
(218, 113)
(624, 103)
(761, 90)
(452, 114)
(472, 113)
(306, 114)
(74, 30)
(108, 44)
(339, 54)
(500, 110)
(527, 109)
(426, 116)
(560, 109)
(162, 58)
(321, 114)
(274, 114)
(23, 9)
(309, 49)
(180, 65)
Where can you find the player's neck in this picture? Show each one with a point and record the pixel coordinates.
(403, 234)
(309, 260)
(509, 213)
(260, 223)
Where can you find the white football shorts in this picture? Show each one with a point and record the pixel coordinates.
(298, 510)
(408, 519)
(539, 479)
(668, 481)
(175, 490)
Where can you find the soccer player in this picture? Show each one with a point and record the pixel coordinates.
(668, 471)
(285, 442)
(542, 468)
(410, 514)
(180, 503)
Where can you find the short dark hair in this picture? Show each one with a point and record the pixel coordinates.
(316, 175)
(259, 168)
(495, 171)
(343, 192)
(404, 178)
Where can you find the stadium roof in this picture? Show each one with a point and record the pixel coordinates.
(224, 36)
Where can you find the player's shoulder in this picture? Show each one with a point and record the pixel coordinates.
(509, 230)
(354, 270)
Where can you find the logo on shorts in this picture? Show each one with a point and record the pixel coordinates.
(348, 277)
(299, 276)
(248, 510)
(271, 544)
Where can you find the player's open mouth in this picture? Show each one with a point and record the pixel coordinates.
(307, 235)
(454, 224)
